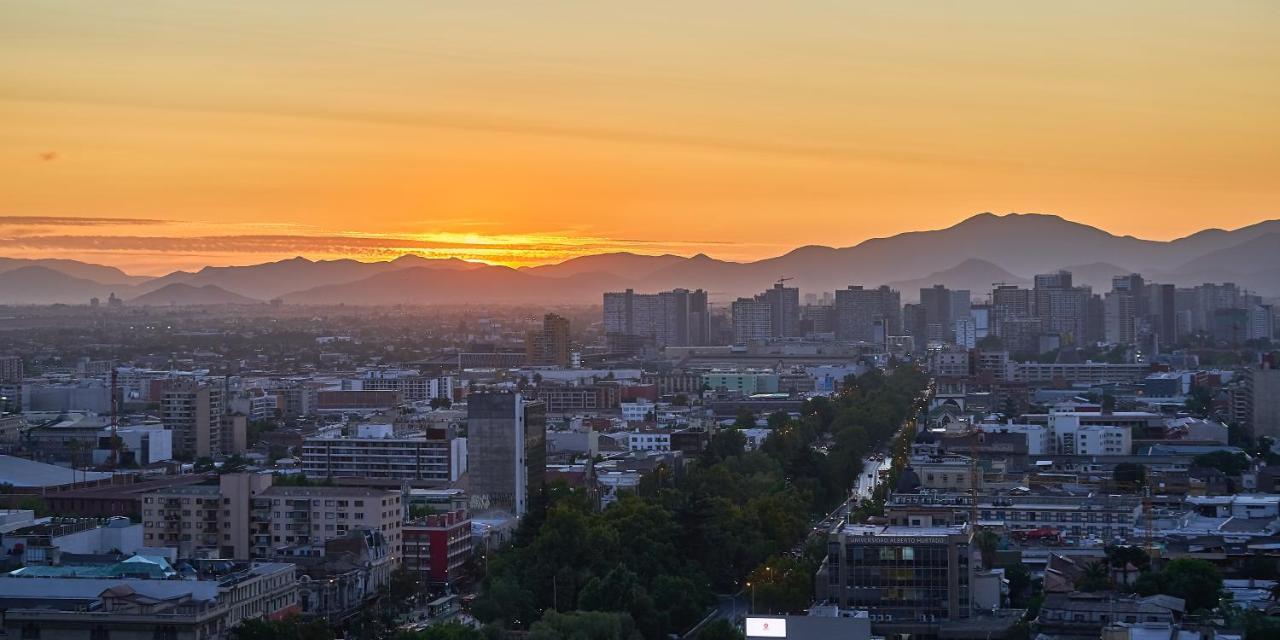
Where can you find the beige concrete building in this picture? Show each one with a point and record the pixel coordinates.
(288, 516)
(244, 516)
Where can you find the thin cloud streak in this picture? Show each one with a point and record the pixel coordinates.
(493, 124)
(74, 221)
(514, 250)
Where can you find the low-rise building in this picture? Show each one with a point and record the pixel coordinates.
(1106, 517)
(205, 608)
(437, 546)
(45, 541)
(649, 440)
(1086, 614)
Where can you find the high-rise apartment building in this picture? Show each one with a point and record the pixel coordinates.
(1125, 309)
(784, 305)
(868, 315)
(549, 345)
(194, 411)
(1009, 304)
(11, 369)
(961, 303)
(1060, 306)
(772, 314)
(1262, 384)
(1121, 317)
(679, 317)
(752, 320)
(1262, 322)
(1162, 306)
(937, 304)
(816, 318)
(506, 449)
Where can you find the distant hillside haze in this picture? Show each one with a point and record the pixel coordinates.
(180, 294)
(974, 254)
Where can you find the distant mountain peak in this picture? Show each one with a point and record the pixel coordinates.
(180, 293)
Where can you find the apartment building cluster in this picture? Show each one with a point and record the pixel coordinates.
(1054, 313)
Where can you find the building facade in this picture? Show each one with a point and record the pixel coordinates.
(437, 546)
(506, 448)
(911, 579)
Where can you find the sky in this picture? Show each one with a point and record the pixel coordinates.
(155, 135)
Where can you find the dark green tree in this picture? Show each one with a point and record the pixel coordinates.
(720, 630)
(1119, 556)
(1197, 582)
(1095, 577)
(446, 631)
(988, 543)
(1130, 472)
(584, 625)
(291, 628)
(1229, 463)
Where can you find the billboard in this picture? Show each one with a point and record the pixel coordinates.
(766, 627)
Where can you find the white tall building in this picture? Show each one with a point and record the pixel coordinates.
(1069, 437)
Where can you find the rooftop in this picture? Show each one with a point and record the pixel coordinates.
(306, 492)
(21, 472)
(898, 531)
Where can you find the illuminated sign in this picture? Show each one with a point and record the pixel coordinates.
(766, 627)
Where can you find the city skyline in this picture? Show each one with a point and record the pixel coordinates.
(520, 135)
(712, 320)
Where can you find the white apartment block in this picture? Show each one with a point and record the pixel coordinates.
(412, 386)
(379, 453)
(1072, 438)
(638, 411)
(649, 441)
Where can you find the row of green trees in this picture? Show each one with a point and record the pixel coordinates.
(735, 516)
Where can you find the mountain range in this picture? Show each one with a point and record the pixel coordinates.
(973, 254)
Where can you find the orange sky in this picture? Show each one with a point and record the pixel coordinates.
(522, 132)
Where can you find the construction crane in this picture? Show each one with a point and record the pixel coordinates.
(784, 279)
(115, 421)
(1149, 517)
(975, 486)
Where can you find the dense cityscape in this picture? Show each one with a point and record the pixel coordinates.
(1026, 461)
(699, 320)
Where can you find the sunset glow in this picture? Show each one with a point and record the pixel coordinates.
(163, 135)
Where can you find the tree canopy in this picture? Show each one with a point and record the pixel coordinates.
(1196, 581)
(657, 557)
